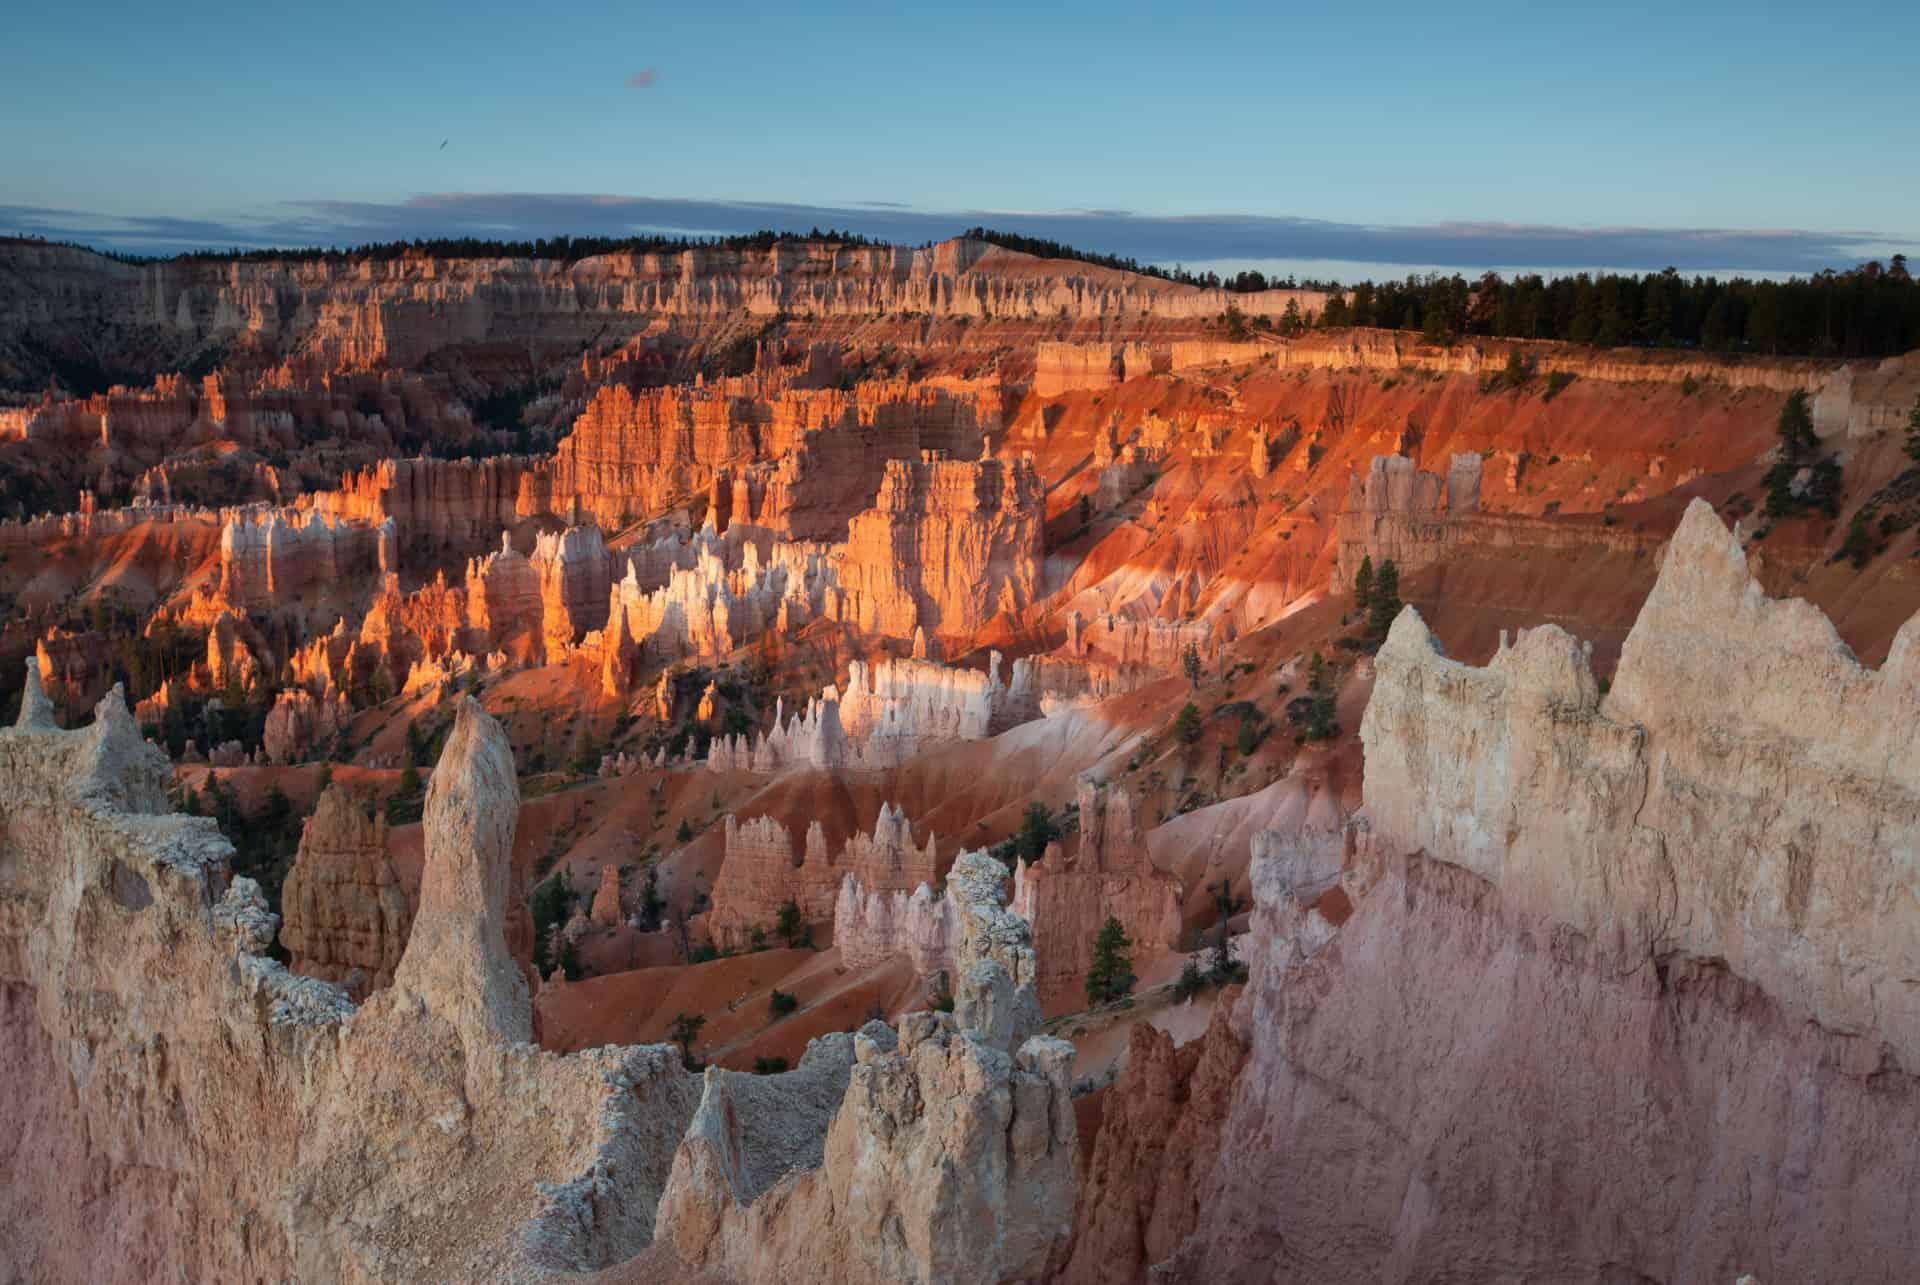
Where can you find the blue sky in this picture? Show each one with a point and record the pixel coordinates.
(1381, 137)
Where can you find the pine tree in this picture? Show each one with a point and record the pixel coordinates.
(1111, 975)
(1363, 583)
(1385, 603)
(1797, 442)
(1913, 431)
(792, 926)
(1190, 662)
(1037, 830)
(685, 1030)
(1516, 372)
(1191, 980)
(1186, 724)
(1224, 969)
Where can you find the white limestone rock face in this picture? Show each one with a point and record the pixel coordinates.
(1746, 790)
(457, 963)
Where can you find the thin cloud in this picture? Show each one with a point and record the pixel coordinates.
(1196, 238)
(645, 78)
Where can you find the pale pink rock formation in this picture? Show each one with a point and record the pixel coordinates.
(760, 872)
(874, 926)
(1140, 642)
(950, 1158)
(409, 1142)
(1595, 965)
(704, 599)
(504, 596)
(270, 554)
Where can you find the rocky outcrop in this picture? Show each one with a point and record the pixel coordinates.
(265, 558)
(1069, 367)
(1161, 1133)
(701, 600)
(873, 926)
(575, 572)
(1397, 512)
(947, 545)
(1123, 643)
(1110, 875)
(1609, 985)
(890, 712)
(232, 662)
(606, 898)
(299, 723)
(435, 504)
(951, 1157)
(72, 664)
(760, 872)
(1701, 840)
(346, 913)
(1419, 519)
(417, 1140)
(921, 702)
(457, 965)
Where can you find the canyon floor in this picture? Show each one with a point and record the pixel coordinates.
(940, 765)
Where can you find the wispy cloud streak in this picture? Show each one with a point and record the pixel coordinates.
(1150, 238)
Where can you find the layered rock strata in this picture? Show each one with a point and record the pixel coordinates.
(1419, 519)
(370, 312)
(946, 546)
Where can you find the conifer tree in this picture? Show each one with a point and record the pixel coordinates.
(1111, 975)
(1384, 604)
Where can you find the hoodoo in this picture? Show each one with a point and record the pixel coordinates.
(574, 742)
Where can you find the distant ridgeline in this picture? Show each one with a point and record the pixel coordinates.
(1872, 310)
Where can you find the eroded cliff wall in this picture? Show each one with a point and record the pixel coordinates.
(1610, 987)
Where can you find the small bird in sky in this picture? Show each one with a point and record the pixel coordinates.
(443, 144)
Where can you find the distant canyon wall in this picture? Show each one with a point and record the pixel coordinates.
(1849, 392)
(358, 313)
